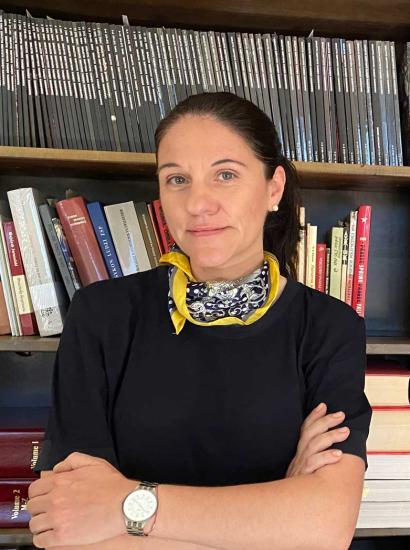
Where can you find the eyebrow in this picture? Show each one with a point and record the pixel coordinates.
(174, 165)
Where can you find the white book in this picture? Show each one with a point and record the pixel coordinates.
(301, 246)
(47, 292)
(384, 514)
(127, 237)
(388, 466)
(345, 250)
(351, 256)
(5, 275)
(311, 242)
(386, 490)
(336, 262)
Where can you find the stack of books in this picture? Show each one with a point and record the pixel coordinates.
(49, 249)
(386, 491)
(101, 86)
(338, 267)
(21, 436)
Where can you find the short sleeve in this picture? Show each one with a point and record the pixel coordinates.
(78, 416)
(335, 374)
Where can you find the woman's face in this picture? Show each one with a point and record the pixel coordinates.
(215, 196)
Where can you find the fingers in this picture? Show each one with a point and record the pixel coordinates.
(319, 460)
(318, 424)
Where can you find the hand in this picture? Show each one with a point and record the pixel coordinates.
(79, 503)
(314, 439)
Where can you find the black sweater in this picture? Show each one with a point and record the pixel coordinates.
(217, 405)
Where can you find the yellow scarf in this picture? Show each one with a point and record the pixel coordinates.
(182, 276)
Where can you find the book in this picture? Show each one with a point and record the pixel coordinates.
(46, 288)
(81, 238)
(127, 237)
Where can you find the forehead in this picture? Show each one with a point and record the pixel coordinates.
(203, 137)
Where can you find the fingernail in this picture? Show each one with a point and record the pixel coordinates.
(345, 429)
(337, 452)
(336, 415)
(320, 406)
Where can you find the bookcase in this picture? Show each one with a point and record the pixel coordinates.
(329, 190)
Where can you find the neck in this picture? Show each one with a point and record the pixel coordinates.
(227, 273)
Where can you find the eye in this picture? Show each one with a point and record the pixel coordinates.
(229, 173)
(169, 180)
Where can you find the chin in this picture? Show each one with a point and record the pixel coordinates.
(209, 257)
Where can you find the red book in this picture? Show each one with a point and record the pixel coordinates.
(13, 503)
(25, 306)
(320, 277)
(79, 232)
(166, 237)
(20, 449)
(155, 226)
(361, 259)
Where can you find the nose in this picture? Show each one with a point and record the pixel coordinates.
(200, 200)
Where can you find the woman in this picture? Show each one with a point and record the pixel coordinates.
(203, 375)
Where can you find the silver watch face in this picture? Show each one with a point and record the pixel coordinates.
(140, 505)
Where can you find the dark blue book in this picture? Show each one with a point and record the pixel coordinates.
(103, 234)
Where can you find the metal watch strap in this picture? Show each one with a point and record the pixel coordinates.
(136, 528)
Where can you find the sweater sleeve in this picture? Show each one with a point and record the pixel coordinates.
(335, 374)
(78, 419)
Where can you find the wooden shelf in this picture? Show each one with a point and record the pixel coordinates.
(375, 345)
(21, 537)
(70, 162)
(381, 19)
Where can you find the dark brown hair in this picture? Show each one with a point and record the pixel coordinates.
(281, 229)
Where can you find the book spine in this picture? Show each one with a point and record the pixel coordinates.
(23, 299)
(255, 65)
(150, 244)
(127, 237)
(46, 289)
(361, 259)
(351, 256)
(328, 254)
(242, 63)
(236, 66)
(326, 99)
(332, 103)
(20, 452)
(361, 97)
(81, 238)
(311, 241)
(354, 103)
(312, 98)
(273, 88)
(346, 88)
(369, 107)
(399, 147)
(162, 71)
(319, 99)
(377, 129)
(47, 214)
(383, 108)
(345, 248)
(166, 237)
(102, 232)
(300, 109)
(391, 118)
(227, 83)
(2, 81)
(207, 61)
(14, 498)
(320, 281)
(336, 262)
(195, 61)
(340, 102)
(286, 92)
(215, 61)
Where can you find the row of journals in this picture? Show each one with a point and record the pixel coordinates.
(85, 85)
(386, 492)
(49, 249)
(338, 267)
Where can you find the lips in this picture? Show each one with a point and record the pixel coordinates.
(206, 231)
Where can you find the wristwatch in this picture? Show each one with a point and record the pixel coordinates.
(139, 506)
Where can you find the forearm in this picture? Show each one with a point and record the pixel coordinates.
(129, 542)
(295, 513)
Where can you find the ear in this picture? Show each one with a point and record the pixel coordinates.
(276, 187)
